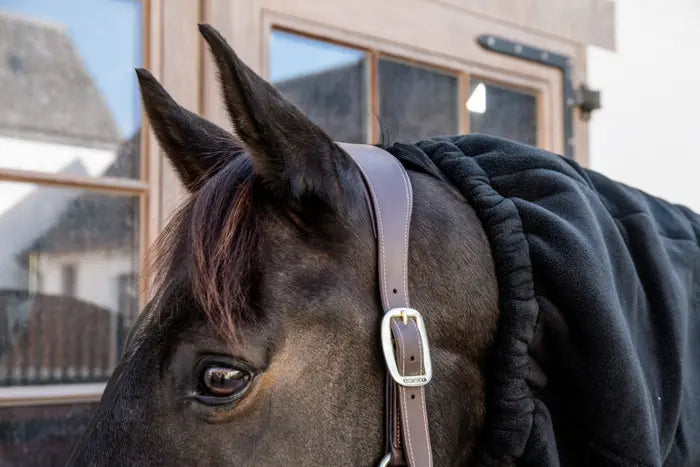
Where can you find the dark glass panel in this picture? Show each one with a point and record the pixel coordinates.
(501, 111)
(41, 435)
(415, 102)
(327, 81)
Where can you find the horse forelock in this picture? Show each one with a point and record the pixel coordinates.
(210, 247)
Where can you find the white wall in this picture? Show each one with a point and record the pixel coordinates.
(96, 274)
(44, 156)
(28, 210)
(647, 133)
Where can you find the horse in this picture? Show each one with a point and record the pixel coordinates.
(260, 343)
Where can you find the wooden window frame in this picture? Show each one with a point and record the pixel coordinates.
(175, 54)
(543, 83)
(172, 51)
(142, 187)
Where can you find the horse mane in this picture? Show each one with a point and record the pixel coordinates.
(210, 248)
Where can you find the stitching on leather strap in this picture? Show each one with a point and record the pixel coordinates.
(412, 462)
(422, 396)
(407, 223)
(380, 229)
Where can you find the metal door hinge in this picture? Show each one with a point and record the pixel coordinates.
(587, 100)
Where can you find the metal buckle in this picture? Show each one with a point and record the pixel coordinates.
(386, 461)
(388, 347)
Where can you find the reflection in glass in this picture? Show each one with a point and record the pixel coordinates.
(68, 257)
(327, 81)
(415, 102)
(67, 282)
(500, 111)
(69, 95)
(41, 435)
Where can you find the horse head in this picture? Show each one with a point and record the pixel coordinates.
(260, 343)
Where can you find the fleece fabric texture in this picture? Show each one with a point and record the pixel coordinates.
(597, 356)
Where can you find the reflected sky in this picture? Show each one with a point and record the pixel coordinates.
(292, 55)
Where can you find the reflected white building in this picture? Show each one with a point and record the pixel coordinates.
(67, 256)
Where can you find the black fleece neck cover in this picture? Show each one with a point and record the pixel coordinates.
(597, 356)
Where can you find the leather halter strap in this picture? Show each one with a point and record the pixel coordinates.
(404, 340)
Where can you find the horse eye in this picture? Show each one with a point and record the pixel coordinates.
(224, 382)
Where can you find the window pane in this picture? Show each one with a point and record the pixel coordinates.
(69, 95)
(499, 111)
(416, 103)
(327, 81)
(67, 288)
(41, 435)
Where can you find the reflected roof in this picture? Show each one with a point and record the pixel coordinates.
(46, 91)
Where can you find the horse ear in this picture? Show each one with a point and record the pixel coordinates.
(196, 147)
(290, 153)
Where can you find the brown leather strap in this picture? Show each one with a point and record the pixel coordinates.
(389, 190)
(392, 199)
(414, 416)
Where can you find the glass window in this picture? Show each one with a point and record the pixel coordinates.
(69, 94)
(415, 102)
(67, 270)
(325, 80)
(41, 435)
(501, 111)
(69, 105)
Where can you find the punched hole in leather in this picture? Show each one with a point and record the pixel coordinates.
(404, 341)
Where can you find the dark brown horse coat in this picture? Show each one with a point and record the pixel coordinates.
(597, 359)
